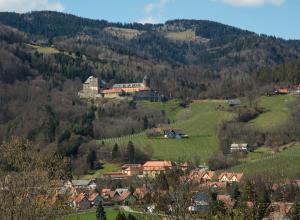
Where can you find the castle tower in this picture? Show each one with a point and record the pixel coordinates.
(146, 81)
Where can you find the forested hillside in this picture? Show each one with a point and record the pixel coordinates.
(45, 56)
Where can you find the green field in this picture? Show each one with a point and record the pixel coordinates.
(107, 167)
(111, 214)
(199, 121)
(285, 164)
(276, 112)
(187, 35)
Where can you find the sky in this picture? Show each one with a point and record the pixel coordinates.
(278, 18)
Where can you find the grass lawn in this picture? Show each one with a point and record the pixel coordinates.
(276, 114)
(111, 214)
(199, 121)
(107, 167)
(260, 153)
(171, 107)
(285, 164)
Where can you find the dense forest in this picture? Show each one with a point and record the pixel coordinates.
(38, 90)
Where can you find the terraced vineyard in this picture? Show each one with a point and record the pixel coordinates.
(285, 163)
(199, 121)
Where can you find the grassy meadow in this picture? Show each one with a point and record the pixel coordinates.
(44, 50)
(200, 121)
(107, 167)
(111, 214)
(283, 164)
(276, 112)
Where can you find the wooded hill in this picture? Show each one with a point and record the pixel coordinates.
(45, 56)
(191, 58)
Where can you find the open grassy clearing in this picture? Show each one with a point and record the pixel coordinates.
(123, 32)
(44, 50)
(107, 167)
(276, 112)
(171, 107)
(285, 164)
(187, 35)
(199, 121)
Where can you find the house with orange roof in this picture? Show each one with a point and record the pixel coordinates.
(227, 200)
(114, 176)
(81, 202)
(95, 199)
(201, 175)
(230, 177)
(136, 91)
(126, 198)
(214, 185)
(140, 193)
(132, 169)
(153, 168)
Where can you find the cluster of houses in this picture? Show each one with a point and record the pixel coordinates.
(286, 90)
(86, 194)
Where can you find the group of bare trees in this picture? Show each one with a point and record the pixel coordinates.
(30, 181)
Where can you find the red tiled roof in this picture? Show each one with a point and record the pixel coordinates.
(198, 175)
(79, 197)
(141, 192)
(231, 175)
(227, 200)
(126, 166)
(157, 165)
(93, 196)
(114, 90)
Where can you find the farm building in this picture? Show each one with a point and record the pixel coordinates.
(243, 148)
(174, 133)
(234, 102)
(154, 168)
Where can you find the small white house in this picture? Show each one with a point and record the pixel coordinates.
(243, 147)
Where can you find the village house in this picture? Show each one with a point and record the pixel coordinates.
(174, 133)
(230, 177)
(200, 203)
(127, 198)
(114, 176)
(153, 168)
(242, 148)
(227, 200)
(132, 169)
(81, 202)
(140, 193)
(200, 176)
(95, 198)
(234, 102)
(81, 184)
